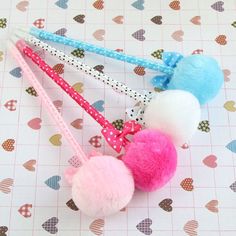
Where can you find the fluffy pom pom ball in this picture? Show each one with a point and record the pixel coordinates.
(152, 158)
(175, 113)
(102, 186)
(198, 74)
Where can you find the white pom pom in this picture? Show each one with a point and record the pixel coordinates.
(102, 186)
(175, 113)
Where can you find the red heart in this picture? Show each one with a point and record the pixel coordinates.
(175, 5)
(187, 184)
(139, 70)
(39, 23)
(99, 4)
(8, 145)
(35, 123)
(11, 105)
(25, 210)
(221, 39)
(59, 68)
(95, 141)
(119, 50)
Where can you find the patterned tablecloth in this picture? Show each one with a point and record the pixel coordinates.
(34, 197)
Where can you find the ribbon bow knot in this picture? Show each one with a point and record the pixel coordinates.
(170, 59)
(116, 138)
(137, 111)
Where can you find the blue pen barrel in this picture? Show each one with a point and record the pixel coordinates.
(102, 51)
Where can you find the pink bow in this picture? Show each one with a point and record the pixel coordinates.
(117, 138)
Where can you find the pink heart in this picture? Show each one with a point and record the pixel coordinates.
(5, 185)
(35, 123)
(118, 19)
(99, 34)
(74, 161)
(77, 124)
(227, 73)
(22, 6)
(58, 104)
(210, 161)
(190, 228)
(196, 20)
(212, 206)
(178, 35)
(197, 51)
(97, 226)
(40, 53)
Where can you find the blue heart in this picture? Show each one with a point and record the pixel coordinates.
(99, 105)
(232, 146)
(138, 4)
(16, 72)
(53, 182)
(62, 4)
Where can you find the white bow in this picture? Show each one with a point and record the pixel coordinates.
(136, 113)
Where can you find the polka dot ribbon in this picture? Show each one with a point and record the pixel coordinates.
(115, 85)
(170, 59)
(119, 138)
(47, 103)
(42, 34)
(136, 113)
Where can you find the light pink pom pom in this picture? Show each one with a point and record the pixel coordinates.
(102, 186)
(152, 158)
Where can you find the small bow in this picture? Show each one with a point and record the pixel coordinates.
(136, 113)
(116, 138)
(170, 59)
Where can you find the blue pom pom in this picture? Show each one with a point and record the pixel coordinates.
(198, 74)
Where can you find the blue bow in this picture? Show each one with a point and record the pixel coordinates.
(170, 59)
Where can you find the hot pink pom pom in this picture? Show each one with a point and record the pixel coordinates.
(152, 158)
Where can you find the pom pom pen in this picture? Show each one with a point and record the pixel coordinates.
(151, 156)
(198, 74)
(101, 174)
(174, 112)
